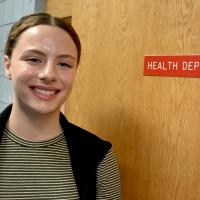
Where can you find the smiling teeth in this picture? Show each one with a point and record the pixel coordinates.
(44, 92)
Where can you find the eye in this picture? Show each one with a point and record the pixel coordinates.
(64, 64)
(34, 60)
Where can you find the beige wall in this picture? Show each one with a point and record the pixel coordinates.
(153, 122)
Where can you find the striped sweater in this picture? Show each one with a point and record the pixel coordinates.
(42, 170)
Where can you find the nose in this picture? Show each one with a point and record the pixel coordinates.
(48, 72)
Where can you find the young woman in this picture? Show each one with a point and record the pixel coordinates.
(42, 155)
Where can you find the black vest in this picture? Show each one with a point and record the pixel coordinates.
(86, 152)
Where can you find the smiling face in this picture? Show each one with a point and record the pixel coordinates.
(42, 68)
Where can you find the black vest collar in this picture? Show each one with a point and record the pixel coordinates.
(4, 118)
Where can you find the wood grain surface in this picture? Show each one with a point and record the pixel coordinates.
(59, 8)
(152, 122)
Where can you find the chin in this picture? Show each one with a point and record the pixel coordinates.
(44, 109)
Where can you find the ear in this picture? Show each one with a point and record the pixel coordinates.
(7, 66)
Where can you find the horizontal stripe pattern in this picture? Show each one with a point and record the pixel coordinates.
(35, 170)
(108, 178)
(42, 170)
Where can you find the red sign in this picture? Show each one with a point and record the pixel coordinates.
(186, 66)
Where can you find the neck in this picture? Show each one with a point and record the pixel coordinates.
(34, 126)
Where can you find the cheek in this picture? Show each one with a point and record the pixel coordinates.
(68, 80)
(22, 72)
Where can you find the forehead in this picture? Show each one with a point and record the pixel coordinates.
(46, 36)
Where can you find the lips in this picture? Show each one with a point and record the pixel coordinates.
(44, 92)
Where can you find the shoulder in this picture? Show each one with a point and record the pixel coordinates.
(86, 152)
(83, 141)
(86, 136)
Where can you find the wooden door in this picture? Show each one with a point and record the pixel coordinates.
(153, 122)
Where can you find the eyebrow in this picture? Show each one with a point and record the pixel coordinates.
(43, 54)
